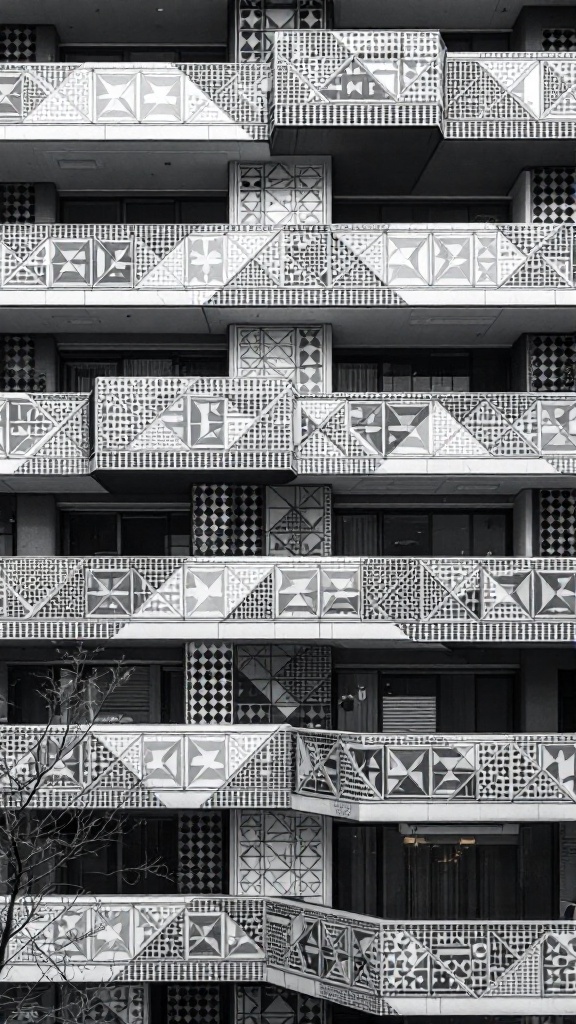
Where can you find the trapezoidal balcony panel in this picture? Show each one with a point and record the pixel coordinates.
(442, 600)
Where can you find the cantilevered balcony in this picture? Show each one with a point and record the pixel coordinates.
(357, 776)
(440, 600)
(199, 275)
(43, 435)
(421, 967)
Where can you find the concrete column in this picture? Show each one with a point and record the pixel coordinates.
(36, 525)
(273, 193)
(539, 691)
(3, 691)
(209, 680)
(46, 360)
(521, 199)
(46, 44)
(521, 375)
(302, 355)
(523, 524)
(46, 202)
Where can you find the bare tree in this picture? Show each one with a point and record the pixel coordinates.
(44, 834)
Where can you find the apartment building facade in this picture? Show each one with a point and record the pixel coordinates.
(288, 408)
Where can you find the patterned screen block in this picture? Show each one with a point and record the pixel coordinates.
(280, 853)
(41, 433)
(201, 853)
(512, 95)
(361, 768)
(258, 20)
(17, 43)
(184, 938)
(227, 519)
(195, 96)
(266, 1004)
(290, 265)
(360, 433)
(283, 683)
(301, 355)
(17, 372)
(209, 682)
(357, 78)
(552, 362)
(553, 195)
(194, 1004)
(557, 527)
(106, 1004)
(386, 965)
(204, 423)
(18, 202)
(559, 39)
(291, 192)
(299, 520)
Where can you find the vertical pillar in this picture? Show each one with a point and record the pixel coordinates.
(286, 191)
(36, 525)
(280, 853)
(201, 852)
(556, 524)
(551, 362)
(227, 519)
(301, 355)
(523, 523)
(539, 692)
(299, 520)
(208, 678)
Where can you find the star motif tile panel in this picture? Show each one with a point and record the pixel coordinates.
(257, 22)
(301, 355)
(131, 94)
(280, 854)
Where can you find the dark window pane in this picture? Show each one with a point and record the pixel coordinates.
(179, 533)
(140, 211)
(90, 211)
(450, 533)
(490, 533)
(204, 211)
(81, 376)
(357, 868)
(406, 534)
(356, 377)
(356, 534)
(144, 534)
(92, 533)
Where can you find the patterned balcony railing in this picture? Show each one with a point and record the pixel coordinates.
(123, 939)
(371, 433)
(366, 769)
(510, 95)
(422, 967)
(420, 599)
(226, 265)
(195, 423)
(207, 101)
(146, 766)
(354, 78)
(44, 434)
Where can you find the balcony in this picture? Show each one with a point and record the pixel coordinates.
(153, 766)
(414, 600)
(205, 274)
(114, 938)
(43, 435)
(359, 776)
(421, 967)
(474, 778)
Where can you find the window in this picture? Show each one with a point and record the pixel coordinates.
(126, 533)
(140, 859)
(207, 53)
(80, 374)
(406, 370)
(381, 532)
(143, 210)
(439, 211)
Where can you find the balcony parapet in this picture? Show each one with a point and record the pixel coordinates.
(152, 938)
(138, 101)
(225, 265)
(421, 967)
(352, 78)
(510, 96)
(44, 434)
(367, 776)
(153, 766)
(471, 600)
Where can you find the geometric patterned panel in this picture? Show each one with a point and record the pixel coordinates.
(184, 938)
(426, 599)
(510, 95)
(17, 372)
(230, 96)
(369, 769)
(205, 423)
(17, 43)
(358, 434)
(258, 20)
(291, 265)
(386, 965)
(17, 203)
(108, 1004)
(227, 519)
(299, 520)
(201, 853)
(357, 78)
(157, 767)
(283, 683)
(279, 853)
(557, 526)
(42, 433)
(300, 355)
(292, 192)
(553, 195)
(559, 39)
(209, 670)
(194, 1004)
(266, 1004)
(552, 362)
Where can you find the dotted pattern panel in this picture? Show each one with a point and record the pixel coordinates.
(200, 852)
(18, 364)
(18, 203)
(559, 40)
(553, 195)
(258, 20)
(552, 362)
(557, 528)
(194, 1004)
(18, 43)
(227, 519)
(209, 683)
